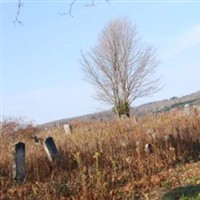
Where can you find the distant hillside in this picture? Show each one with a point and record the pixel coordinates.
(157, 106)
(168, 104)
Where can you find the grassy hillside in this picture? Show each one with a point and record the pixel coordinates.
(107, 160)
(152, 107)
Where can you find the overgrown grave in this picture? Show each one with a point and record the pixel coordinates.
(19, 157)
(51, 150)
(19, 162)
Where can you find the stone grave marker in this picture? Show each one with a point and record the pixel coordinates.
(186, 110)
(148, 148)
(19, 162)
(67, 129)
(51, 149)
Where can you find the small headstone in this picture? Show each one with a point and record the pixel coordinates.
(19, 162)
(148, 148)
(51, 149)
(186, 109)
(67, 129)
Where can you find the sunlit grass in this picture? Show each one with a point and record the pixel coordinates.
(102, 160)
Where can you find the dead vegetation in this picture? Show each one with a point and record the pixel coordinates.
(104, 160)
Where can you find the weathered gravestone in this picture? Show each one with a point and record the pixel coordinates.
(51, 149)
(186, 110)
(67, 129)
(19, 162)
(148, 148)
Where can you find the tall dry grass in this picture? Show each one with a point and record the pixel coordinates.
(101, 160)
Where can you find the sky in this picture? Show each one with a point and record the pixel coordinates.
(41, 76)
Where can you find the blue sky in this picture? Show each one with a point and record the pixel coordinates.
(41, 77)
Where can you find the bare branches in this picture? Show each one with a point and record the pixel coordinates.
(71, 7)
(70, 11)
(17, 20)
(92, 3)
(120, 67)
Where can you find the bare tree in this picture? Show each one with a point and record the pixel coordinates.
(120, 66)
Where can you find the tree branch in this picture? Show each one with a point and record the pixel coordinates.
(17, 20)
(71, 7)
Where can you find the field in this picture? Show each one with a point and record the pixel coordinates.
(107, 160)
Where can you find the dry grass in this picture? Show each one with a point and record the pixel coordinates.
(102, 160)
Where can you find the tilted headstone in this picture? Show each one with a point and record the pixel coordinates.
(148, 148)
(67, 129)
(19, 162)
(51, 149)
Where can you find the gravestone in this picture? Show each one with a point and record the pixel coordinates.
(51, 149)
(148, 148)
(67, 129)
(19, 162)
(186, 110)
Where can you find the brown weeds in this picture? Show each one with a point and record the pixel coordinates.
(101, 160)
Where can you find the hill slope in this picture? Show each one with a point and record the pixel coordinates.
(157, 106)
